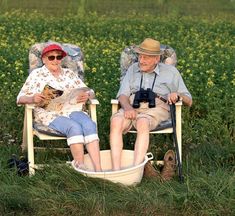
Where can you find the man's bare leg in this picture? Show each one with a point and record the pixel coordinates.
(142, 140)
(117, 126)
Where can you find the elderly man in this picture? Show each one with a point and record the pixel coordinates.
(144, 95)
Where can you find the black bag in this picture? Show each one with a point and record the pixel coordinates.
(20, 164)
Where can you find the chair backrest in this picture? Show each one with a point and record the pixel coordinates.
(74, 60)
(129, 56)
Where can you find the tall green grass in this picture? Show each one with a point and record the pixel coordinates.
(62, 191)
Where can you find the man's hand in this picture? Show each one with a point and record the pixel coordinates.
(130, 113)
(173, 98)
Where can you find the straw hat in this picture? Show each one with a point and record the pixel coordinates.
(149, 47)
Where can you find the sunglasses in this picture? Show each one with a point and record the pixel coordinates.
(52, 58)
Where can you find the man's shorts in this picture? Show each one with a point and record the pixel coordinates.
(154, 115)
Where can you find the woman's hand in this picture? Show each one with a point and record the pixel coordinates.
(83, 97)
(38, 98)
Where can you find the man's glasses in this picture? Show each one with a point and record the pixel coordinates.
(52, 58)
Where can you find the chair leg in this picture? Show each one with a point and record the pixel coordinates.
(24, 141)
(30, 147)
(179, 130)
(179, 144)
(31, 154)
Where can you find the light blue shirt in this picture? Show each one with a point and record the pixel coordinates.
(168, 80)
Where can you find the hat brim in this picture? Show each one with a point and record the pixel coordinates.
(147, 52)
(62, 51)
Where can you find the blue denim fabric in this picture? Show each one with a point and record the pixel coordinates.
(79, 124)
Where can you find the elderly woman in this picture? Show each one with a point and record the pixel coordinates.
(76, 125)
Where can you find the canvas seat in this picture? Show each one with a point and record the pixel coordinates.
(31, 130)
(128, 57)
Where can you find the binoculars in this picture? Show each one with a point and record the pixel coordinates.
(144, 96)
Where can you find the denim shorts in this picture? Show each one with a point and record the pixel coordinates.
(78, 128)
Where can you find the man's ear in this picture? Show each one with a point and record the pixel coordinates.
(158, 59)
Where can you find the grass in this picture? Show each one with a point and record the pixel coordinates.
(62, 191)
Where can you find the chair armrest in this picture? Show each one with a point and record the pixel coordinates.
(94, 101)
(114, 101)
(29, 106)
(179, 103)
(92, 109)
(115, 105)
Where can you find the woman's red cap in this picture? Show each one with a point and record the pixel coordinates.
(53, 47)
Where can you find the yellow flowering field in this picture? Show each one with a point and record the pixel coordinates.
(205, 51)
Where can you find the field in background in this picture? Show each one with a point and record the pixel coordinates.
(204, 44)
(123, 7)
